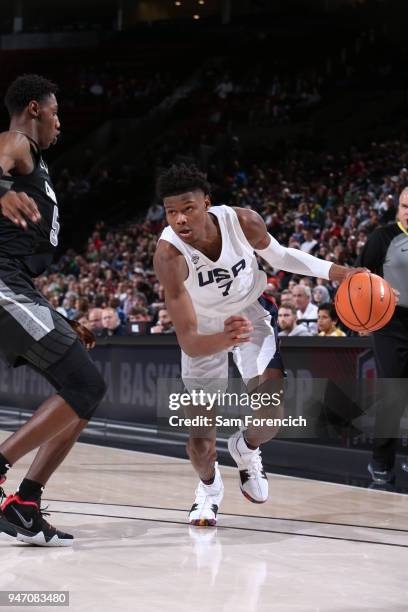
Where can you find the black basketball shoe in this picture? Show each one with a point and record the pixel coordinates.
(25, 521)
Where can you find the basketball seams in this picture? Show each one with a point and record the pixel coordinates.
(342, 317)
(351, 305)
(371, 299)
(386, 310)
(341, 291)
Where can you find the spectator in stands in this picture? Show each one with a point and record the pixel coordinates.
(309, 242)
(306, 311)
(327, 320)
(307, 281)
(134, 298)
(321, 295)
(287, 322)
(286, 297)
(271, 291)
(155, 216)
(139, 321)
(82, 306)
(112, 323)
(298, 234)
(388, 213)
(95, 320)
(164, 323)
(55, 302)
(138, 314)
(116, 305)
(70, 307)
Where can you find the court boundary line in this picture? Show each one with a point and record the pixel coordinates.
(185, 524)
(270, 518)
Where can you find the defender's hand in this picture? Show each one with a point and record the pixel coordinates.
(85, 335)
(238, 329)
(18, 206)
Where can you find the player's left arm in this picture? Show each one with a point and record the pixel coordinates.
(286, 258)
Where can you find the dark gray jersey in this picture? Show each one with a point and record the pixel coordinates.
(386, 253)
(34, 247)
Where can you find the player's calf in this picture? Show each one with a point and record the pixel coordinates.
(210, 489)
(202, 454)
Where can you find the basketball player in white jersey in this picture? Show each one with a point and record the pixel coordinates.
(206, 261)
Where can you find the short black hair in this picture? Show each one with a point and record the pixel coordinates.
(329, 307)
(180, 179)
(26, 88)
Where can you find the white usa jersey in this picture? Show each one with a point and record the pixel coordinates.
(226, 286)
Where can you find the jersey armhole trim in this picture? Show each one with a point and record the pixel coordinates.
(185, 259)
(240, 230)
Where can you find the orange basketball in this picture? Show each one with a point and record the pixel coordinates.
(365, 302)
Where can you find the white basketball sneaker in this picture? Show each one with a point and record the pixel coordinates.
(254, 483)
(208, 498)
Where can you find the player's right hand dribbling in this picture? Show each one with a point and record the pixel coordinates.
(18, 206)
(238, 329)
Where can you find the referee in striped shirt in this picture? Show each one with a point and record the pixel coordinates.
(386, 254)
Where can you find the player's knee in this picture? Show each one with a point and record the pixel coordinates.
(201, 448)
(80, 382)
(97, 392)
(84, 391)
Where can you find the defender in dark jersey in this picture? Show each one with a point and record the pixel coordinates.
(386, 254)
(31, 331)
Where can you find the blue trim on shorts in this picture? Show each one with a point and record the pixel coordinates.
(276, 362)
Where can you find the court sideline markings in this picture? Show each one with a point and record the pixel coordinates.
(289, 533)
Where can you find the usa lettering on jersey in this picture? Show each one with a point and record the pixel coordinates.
(219, 275)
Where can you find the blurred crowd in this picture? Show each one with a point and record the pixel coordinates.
(252, 95)
(323, 204)
(118, 90)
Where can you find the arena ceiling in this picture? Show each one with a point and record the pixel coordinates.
(169, 9)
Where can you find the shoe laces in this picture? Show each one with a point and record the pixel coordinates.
(203, 494)
(43, 513)
(2, 495)
(200, 493)
(254, 467)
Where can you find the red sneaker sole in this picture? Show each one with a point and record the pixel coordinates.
(204, 522)
(254, 501)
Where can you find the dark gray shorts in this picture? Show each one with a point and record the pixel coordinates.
(31, 331)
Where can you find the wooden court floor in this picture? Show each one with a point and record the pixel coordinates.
(313, 546)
